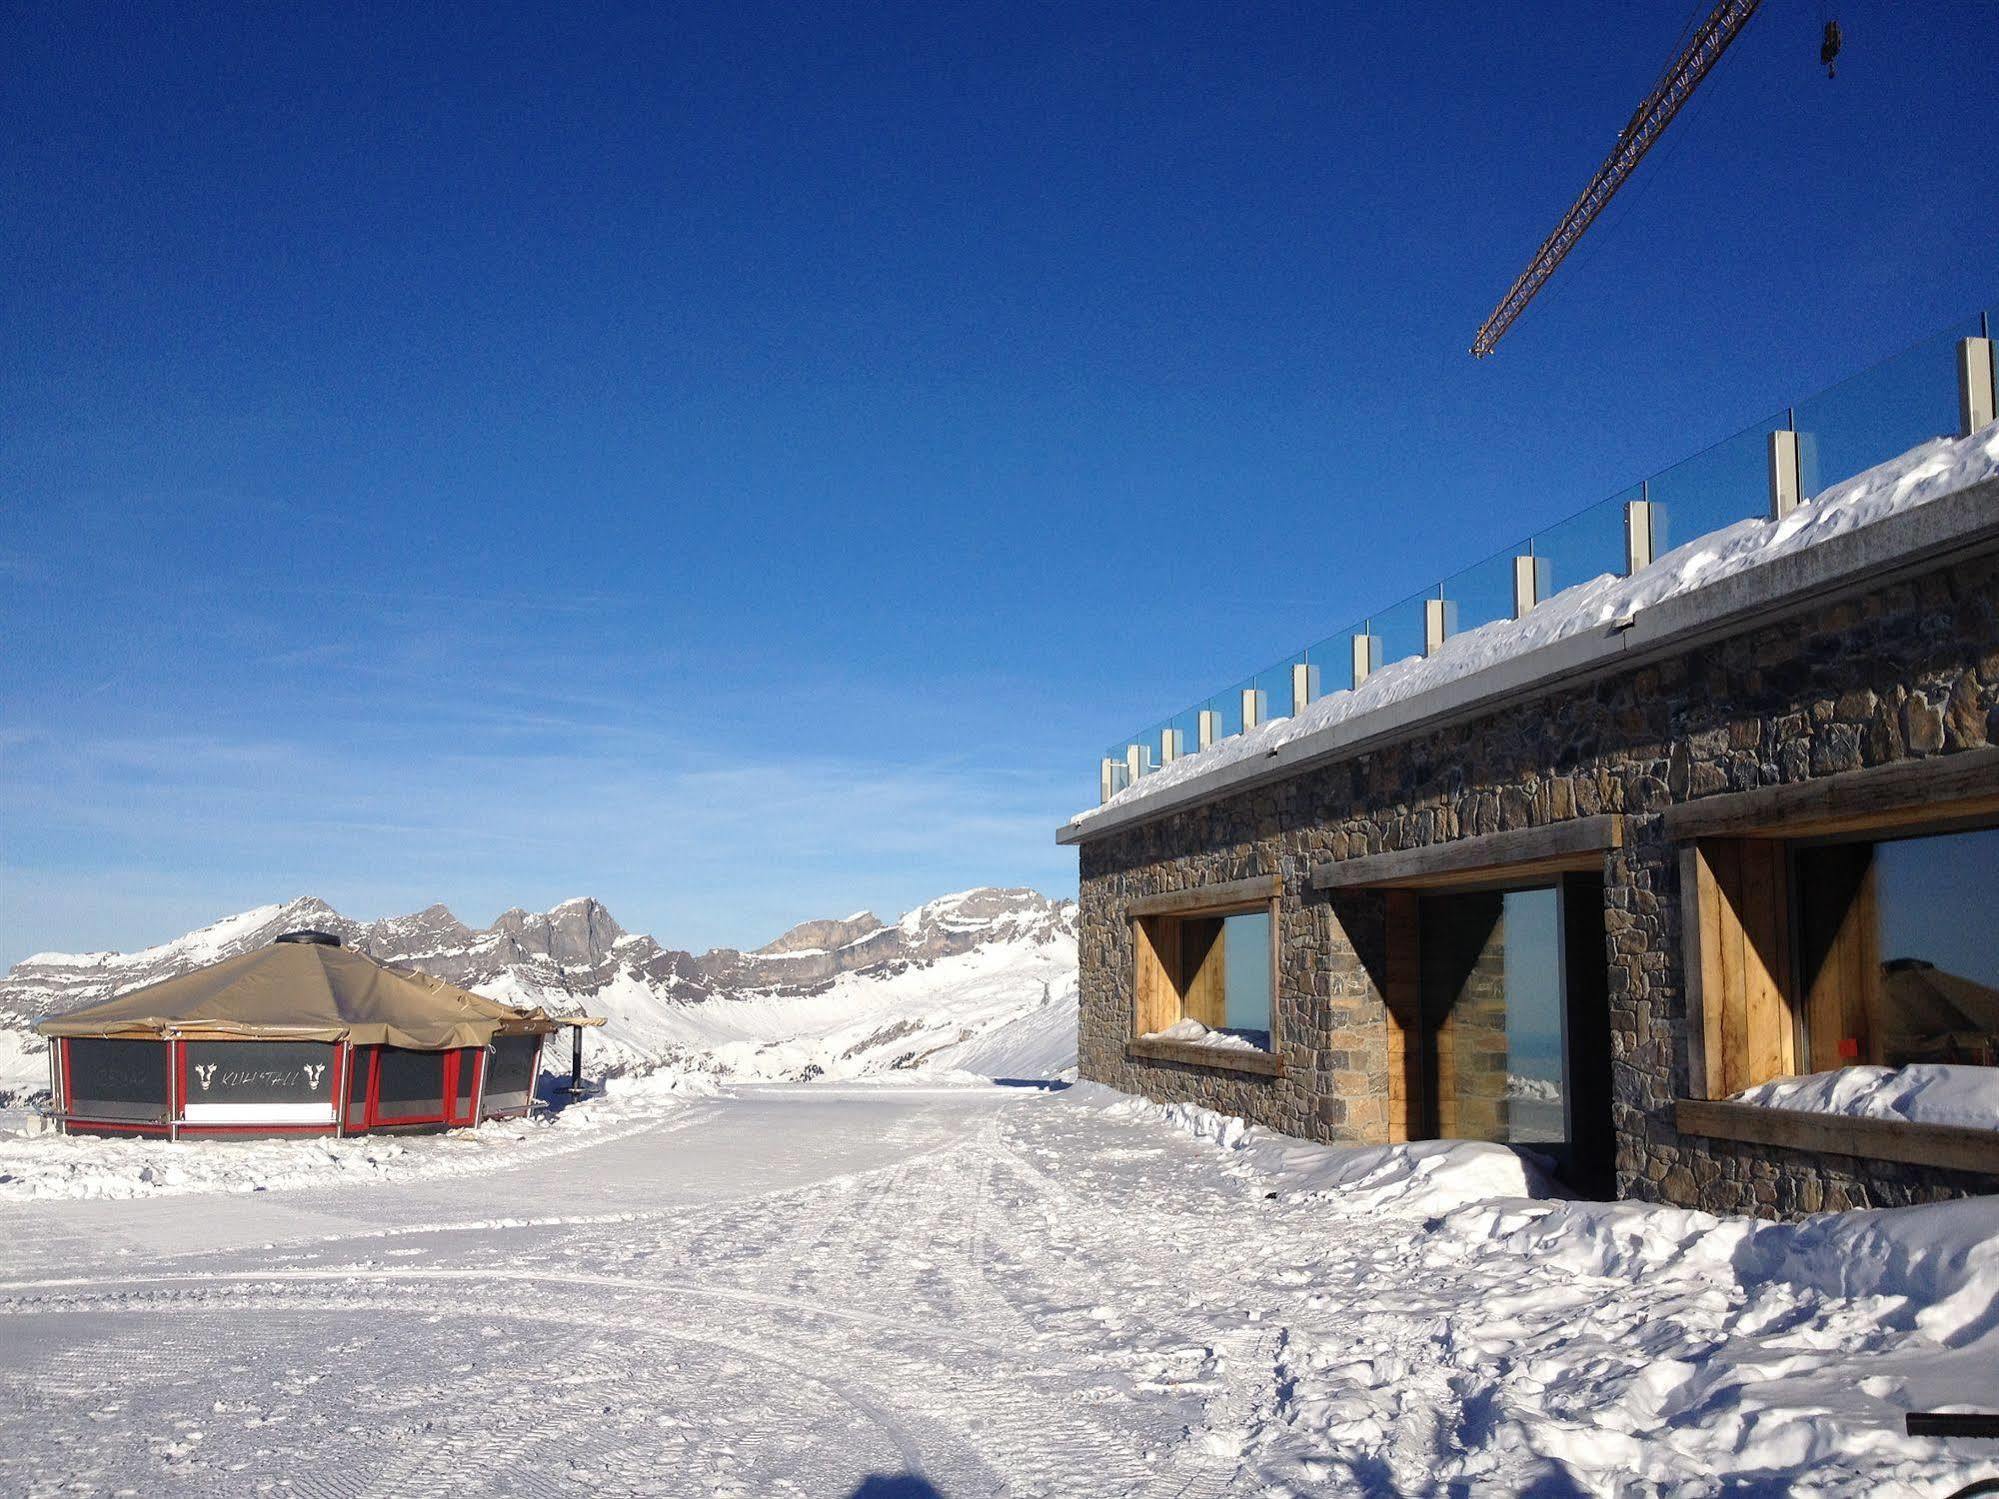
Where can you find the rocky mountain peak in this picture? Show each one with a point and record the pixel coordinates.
(822, 936)
(563, 956)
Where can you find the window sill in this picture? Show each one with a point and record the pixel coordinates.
(1951, 1147)
(1218, 1058)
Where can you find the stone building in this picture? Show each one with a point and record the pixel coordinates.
(1579, 895)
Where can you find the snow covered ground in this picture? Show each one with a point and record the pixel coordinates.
(970, 1289)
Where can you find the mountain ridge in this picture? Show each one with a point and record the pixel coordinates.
(565, 956)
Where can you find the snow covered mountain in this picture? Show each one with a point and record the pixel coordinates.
(983, 980)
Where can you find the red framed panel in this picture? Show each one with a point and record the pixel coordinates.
(376, 1120)
(461, 1106)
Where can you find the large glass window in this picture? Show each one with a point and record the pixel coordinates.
(1206, 978)
(1899, 954)
(1492, 1000)
(1246, 997)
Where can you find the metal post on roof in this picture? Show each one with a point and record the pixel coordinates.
(1638, 531)
(1210, 728)
(1530, 582)
(1366, 654)
(1975, 405)
(1786, 486)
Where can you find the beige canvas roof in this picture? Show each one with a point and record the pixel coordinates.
(303, 991)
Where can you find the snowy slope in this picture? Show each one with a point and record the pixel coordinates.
(980, 979)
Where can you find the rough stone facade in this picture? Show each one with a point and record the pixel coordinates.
(1909, 670)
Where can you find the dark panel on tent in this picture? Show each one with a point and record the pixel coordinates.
(357, 1087)
(124, 1080)
(468, 1075)
(409, 1085)
(259, 1072)
(510, 1073)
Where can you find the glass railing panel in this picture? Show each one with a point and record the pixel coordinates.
(1332, 659)
(1882, 412)
(1231, 706)
(1872, 417)
(1587, 545)
(1728, 482)
(1274, 682)
(1399, 628)
(1483, 592)
(1185, 726)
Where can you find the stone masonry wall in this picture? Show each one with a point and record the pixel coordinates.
(1910, 670)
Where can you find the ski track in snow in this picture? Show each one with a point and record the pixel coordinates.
(1001, 1291)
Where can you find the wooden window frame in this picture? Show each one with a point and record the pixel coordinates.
(1750, 1020)
(1156, 924)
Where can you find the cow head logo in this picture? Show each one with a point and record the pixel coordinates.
(314, 1071)
(206, 1072)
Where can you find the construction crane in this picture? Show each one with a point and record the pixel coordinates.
(1675, 86)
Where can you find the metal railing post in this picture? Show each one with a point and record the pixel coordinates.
(1975, 405)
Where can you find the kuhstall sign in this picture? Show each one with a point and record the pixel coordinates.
(262, 1081)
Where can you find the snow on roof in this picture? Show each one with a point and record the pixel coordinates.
(1925, 473)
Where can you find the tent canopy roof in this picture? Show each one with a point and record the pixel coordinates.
(302, 991)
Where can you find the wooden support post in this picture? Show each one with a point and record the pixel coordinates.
(1107, 786)
(1172, 745)
(1211, 727)
(1366, 657)
(1255, 707)
(1637, 535)
(1975, 405)
(1786, 484)
(1304, 685)
(1137, 761)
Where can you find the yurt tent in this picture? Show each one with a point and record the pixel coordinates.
(301, 1037)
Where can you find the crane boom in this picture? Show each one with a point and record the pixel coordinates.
(1675, 86)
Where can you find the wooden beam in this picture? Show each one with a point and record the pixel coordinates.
(1936, 790)
(1155, 980)
(1700, 939)
(1558, 847)
(1191, 1054)
(1947, 1146)
(1218, 898)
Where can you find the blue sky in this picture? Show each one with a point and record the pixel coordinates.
(743, 463)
